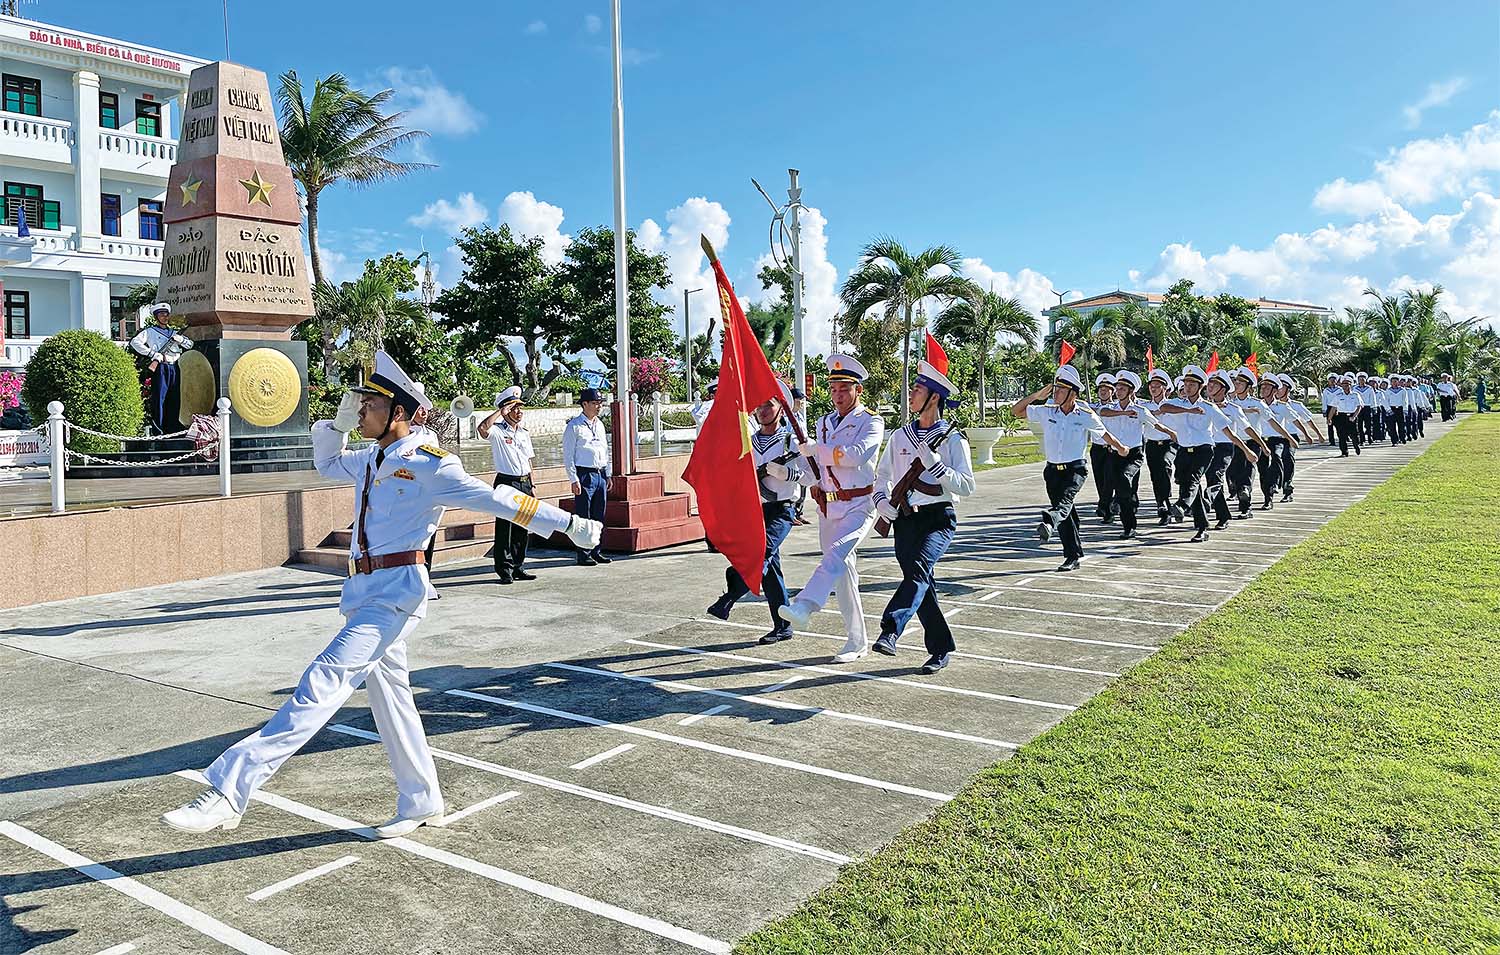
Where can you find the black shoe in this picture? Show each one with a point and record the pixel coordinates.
(1223, 523)
(1127, 533)
(1070, 564)
(1266, 505)
(601, 559)
(1345, 454)
(885, 643)
(1286, 498)
(1244, 499)
(1043, 531)
(506, 578)
(1162, 517)
(523, 575)
(935, 662)
(584, 560)
(1109, 518)
(1175, 512)
(776, 636)
(720, 608)
(1199, 537)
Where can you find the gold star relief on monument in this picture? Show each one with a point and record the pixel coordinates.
(259, 190)
(190, 191)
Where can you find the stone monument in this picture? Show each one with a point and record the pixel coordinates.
(233, 265)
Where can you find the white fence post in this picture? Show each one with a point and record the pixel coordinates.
(656, 419)
(223, 416)
(57, 436)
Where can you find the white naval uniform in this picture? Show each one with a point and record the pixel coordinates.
(407, 493)
(847, 450)
(766, 449)
(954, 471)
(511, 449)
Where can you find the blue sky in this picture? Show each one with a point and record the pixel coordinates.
(1298, 150)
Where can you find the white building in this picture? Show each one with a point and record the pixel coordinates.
(1264, 307)
(87, 138)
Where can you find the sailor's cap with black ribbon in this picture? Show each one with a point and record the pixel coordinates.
(846, 368)
(389, 380)
(1193, 371)
(1246, 373)
(509, 396)
(1222, 377)
(1068, 375)
(1158, 375)
(1129, 378)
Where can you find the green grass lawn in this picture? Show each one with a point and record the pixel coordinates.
(1314, 768)
(1014, 449)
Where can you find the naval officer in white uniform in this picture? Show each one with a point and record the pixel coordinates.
(403, 485)
(846, 448)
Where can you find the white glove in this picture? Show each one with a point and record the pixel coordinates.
(808, 448)
(583, 532)
(347, 417)
(886, 510)
(778, 471)
(926, 455)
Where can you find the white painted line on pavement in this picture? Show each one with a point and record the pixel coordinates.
(480, 806)
(301, 877)
(857, 675)
(120, 949)
(987, 601)
(622, 802)
(601, 757)
(783, 684)
(484, 870)
(957, 653)
(1097, 596)
(708, 747)
(711, 711)
(200, 922)
(683, 685)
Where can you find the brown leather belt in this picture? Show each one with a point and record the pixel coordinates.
(849, 494)
(366, 565)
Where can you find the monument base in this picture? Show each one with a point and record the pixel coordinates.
(640, 515)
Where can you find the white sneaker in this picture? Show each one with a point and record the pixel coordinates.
(402, 826)
(798, 613)
(210, 811)
(849, 656)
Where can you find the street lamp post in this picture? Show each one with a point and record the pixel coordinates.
(687, 337)
(623, 411)
(794, 197)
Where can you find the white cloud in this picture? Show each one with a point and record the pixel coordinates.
(1421, 172)
(820, 284)
(526, 215)
(686, 262)
(1028, 286)
(429, 104)
(463, 212)
(1438, 94)
(535, 28)
(592, 24)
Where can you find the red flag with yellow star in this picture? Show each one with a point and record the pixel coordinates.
(722, 468)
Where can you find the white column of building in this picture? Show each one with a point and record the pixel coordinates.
(94, 301)
(86, 164)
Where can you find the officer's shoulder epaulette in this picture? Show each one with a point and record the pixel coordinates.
(433, 450)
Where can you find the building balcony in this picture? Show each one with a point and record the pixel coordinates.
(37, 138)
(136, 155)
(60, 249)
(18, 351)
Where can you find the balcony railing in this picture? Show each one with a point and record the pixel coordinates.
(132, 145)
(18, 351)
(126, 249)
(35, 129)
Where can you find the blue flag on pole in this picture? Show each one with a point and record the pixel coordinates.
(23, 231)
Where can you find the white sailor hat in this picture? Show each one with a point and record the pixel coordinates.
(1129, 378)
(1222, 377)
(1346, 379)
(1447, 374)
(845, 368)
(1177, 383)
(1286, 380)
(933, 380)
(1158, 375)
(1104, 378)
(1068, 375)
(161, 307)
(1244, 372)
(1333, 376)
(388, 379)
(1193, 371)
(423, 402)
(711, 387)
(510, 395)
(1362, 374)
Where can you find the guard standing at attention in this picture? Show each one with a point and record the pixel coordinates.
(510, 446)
(586, 460)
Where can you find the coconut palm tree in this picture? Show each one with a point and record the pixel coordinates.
(364, 308)
(1099, 334)
(339, 135)
(979, 321)
(890, 277)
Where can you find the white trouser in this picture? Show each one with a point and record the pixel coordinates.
(839, 534)
(371, 647)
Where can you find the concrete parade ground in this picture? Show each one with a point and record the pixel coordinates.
(622, 772)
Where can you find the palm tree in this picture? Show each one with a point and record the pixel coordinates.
(891, 277)
(1390, 323)
(364, 308)
(1099, 334)
(979, 321)
(341, 134)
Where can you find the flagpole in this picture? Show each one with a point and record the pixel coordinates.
(624, 416)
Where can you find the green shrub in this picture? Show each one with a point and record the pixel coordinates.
(94, 379)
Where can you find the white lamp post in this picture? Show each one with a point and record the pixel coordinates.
(624, 412)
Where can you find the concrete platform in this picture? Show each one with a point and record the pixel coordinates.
(628, 774)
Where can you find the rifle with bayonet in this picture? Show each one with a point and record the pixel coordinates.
(912, 481)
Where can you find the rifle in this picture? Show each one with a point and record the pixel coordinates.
(818, 494)
(911, 480)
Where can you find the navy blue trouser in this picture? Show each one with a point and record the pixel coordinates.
(1217, 474)
(921, 538)
(778, 518)
(589, 501)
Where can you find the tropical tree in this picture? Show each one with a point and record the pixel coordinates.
(341, 134)
(979, 321)
(365, 308)
(1399, 327)
(772, 326)
(891, 278)
(1099, 334)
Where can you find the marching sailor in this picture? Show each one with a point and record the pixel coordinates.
(1230, 448)
(781, 474)
(510, 446)
(1252, 412)
(1104, 392)
(846, 447)
(1201, 426)
(1294, 414)
(1447, 393)
(1325, 401)
(403, 485)
(1382, 410)
(924, 470)
(1277, 438)
(1161, 442)
(1065, 426)
(1345, 407)
(1366, 392)
(1128, 420)
(1395, 421)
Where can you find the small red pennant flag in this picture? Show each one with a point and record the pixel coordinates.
(936, 357)
(1066, 353)
(1150, 361)
(1213, 363)
(1250, 363)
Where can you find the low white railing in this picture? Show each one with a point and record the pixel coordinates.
(36, 129)
(131, 250)
(133, 144)
(18, 351)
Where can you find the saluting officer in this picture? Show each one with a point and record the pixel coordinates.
(586, 461)
(846, 446)
(923, 520)
(781, 474)
(1065, 426)
(403, 486)
(510, 446)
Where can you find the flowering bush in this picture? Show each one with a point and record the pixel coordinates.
(648, 375)
(10, 389)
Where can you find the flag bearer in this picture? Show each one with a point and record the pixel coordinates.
(923, 520)
(780, 473)
(1065, 427)
(1128, 420)
(846, 446)
(1161, 442)
(1201, 425)
(1104, 392)
(403, 487)
(1229, 447)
